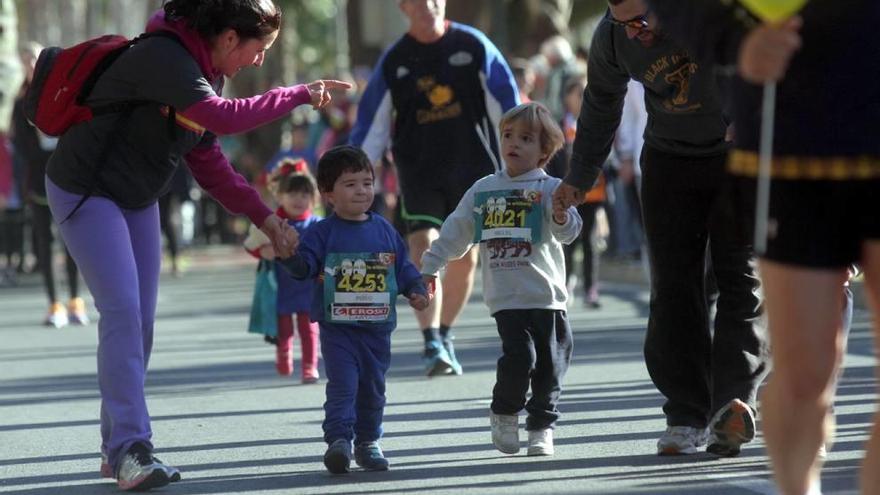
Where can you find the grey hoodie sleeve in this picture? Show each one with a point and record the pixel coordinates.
(456, 236)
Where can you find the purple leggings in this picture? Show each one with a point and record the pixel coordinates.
(119, 254)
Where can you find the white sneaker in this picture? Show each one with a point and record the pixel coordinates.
(505, 432)
(541, 442)
(57, 316)
(681, 440)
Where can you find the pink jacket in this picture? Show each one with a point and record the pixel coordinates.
(221, 116)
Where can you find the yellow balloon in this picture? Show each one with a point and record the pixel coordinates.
(774, 10)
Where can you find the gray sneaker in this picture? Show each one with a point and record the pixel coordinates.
(368, 455)
(681, 440)
(337, 459)
(505, 432)
(107, 470)
(140, 471)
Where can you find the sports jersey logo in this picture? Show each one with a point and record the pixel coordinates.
(460, 58)
(442, 100)
(440, 96)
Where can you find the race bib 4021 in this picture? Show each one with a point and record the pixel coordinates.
(508, 214)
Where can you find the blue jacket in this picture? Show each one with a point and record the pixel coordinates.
(334, 248)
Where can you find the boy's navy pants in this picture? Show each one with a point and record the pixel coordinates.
(355, 360)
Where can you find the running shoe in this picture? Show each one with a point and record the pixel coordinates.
(732, 426)
(368, 455)
(76, 309)
(541, 442)
(505, 432)
(681, 440)
(337, 459)
(436, 359)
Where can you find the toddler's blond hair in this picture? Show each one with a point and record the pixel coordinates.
(536, 116)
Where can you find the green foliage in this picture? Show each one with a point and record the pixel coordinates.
(584, 9)
(314, 43)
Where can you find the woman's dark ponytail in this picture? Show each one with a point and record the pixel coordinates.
(248, 18)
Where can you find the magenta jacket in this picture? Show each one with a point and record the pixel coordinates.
(223, 116)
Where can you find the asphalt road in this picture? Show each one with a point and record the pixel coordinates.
(222, 415)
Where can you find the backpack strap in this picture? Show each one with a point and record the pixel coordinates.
(126, 108)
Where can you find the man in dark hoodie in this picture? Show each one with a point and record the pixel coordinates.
(825, 173)
(710, 379)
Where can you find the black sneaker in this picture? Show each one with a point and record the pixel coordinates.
(369, 456)
(337, 459)
(140, 471)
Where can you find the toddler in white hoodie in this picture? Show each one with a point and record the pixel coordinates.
(510, 214)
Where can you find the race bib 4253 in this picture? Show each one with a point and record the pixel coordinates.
(359, 286)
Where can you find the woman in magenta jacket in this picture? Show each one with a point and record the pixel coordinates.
(121, 163)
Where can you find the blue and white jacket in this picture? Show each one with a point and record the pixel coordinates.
(439, 104)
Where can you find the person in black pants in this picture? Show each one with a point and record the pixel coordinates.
(595, 198)
(821, 212)
(34, 150)
(710, 380)
(169, 207)
(11, 217)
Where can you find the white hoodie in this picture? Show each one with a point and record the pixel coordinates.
(524, 273)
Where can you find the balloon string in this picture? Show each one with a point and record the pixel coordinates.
(765, 157)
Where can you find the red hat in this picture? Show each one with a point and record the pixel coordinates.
(290, 166)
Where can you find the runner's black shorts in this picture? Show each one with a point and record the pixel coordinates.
(425, 202)
(819, 224)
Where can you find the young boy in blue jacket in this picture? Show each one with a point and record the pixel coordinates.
(361, 264)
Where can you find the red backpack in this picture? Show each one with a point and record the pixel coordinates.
(64, 78)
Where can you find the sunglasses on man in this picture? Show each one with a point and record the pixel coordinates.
(638, 22)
